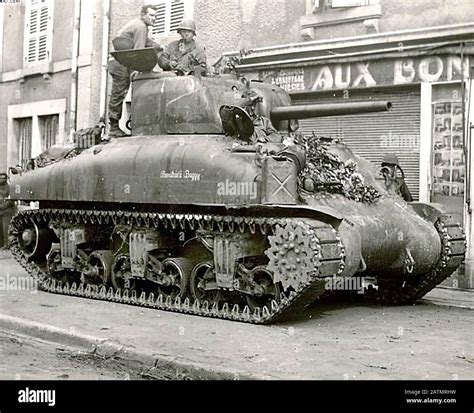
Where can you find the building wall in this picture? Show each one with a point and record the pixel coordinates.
(34, 89)
(62, 36)
(121, 12)
(13, 29)
(395, 15)
(409, 14)
(228, 25)
(17, 89)
(90, 63)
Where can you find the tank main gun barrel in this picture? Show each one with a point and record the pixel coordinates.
(331, 109)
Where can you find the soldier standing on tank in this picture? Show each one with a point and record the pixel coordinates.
(6, 210)
(395, 177)
(134, 35)
(185, 56)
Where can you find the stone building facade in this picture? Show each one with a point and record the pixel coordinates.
(418, 54)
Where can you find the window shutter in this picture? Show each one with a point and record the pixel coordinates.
(38, 31)
(170, 13)
(177, 14)
(159, 26)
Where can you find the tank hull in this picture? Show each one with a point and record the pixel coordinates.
(185, 218)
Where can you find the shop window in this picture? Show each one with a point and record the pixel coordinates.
(170, 13)
(38, 31)
(23, 128)
(448, 161)
(48, 126)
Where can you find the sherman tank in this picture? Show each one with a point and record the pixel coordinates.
(193, 214)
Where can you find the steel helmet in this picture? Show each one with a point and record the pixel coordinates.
(390, 159)
(187, 25)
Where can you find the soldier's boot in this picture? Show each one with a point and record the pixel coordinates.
(115, 131)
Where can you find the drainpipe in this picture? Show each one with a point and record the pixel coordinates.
(74, 70)
(468, 281)
(105, 59)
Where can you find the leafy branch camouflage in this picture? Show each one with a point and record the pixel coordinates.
(326, 172)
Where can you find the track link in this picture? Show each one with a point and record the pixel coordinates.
(324, 240)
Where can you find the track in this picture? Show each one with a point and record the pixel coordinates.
(453, 246)
(326, 255)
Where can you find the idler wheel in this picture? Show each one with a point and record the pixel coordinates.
(100, 267)
(203, 273)
(36, 241)
(176, 273)
(266, 290)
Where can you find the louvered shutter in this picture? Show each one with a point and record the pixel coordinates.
(373, 135)
(170, 13)
(38, 31)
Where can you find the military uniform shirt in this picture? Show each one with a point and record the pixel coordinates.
(186, 56)
(137, 32)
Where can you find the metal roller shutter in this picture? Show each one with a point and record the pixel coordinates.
(372, 135)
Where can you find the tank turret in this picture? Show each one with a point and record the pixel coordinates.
(187, 216)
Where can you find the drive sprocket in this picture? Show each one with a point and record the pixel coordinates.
(292, 255)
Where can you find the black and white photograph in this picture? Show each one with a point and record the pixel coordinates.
(253, 191)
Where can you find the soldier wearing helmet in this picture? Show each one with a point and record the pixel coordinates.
(185, 56)
(394, 177)
(264, 130)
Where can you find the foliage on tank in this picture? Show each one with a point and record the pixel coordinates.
(326, 172)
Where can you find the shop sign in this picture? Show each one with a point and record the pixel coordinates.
(369, 74)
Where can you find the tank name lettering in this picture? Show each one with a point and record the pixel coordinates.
(193, 176)
(229, 188)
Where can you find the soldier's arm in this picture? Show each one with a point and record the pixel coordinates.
(164, 59)
(269, 129)
(152, 43)
(200, 56)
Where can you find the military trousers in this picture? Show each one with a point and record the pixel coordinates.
(120, 85)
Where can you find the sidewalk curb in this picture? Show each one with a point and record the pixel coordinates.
(451, 297)
(108, 349)
(450, 304)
